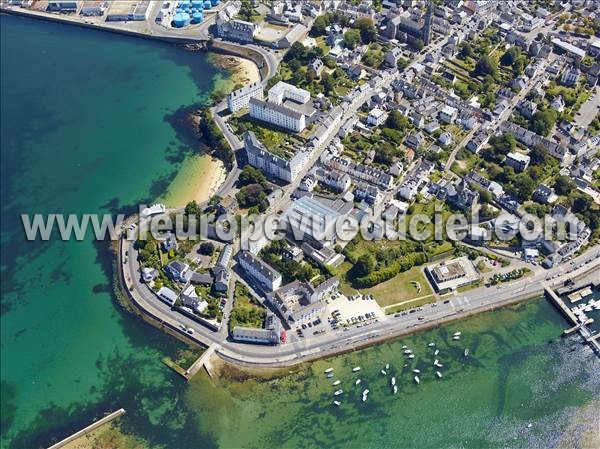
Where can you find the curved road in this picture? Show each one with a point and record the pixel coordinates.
(471, 302)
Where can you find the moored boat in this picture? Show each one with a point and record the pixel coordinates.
(337, 382)
(357, 382)
(384, 372)
(438, 374)
(417, 380)
(356, 369)
(336, 403)
(329, 370)
(338, 392)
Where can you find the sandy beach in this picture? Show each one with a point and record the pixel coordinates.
(244, 71)
(199, 177)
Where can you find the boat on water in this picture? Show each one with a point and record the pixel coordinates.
(366, 391)
(338, 392)
(329, 375)
(438, 374)
(408, 351)
(356, 369)
(404, 346)
(466, 353)
(393, 381)
(437, 351)
(412, 356)
(387, 366)
(395, 389)
(418, 371)
(336, 403)
(384, 372)
(431, 345)
(417, 380)
(337, 382)
(456, 337)
(357, 382)
(457, 334)
(329, 370)
(438, 364)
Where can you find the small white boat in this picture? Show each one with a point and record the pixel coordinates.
(456, 337)
(336, 403)
(366, 391)
(364, 398)
(387, 366)
(457, 334)
(529, 426)
(437, 351)
(438, 364)
(329, 370)
(356, 369)
(412, 356)
(393, 381)
(436, 361)
(417, 380)
(384, 372)
(404, 346)
(431, 345)
(337, 382)
(438, 374)
(408, 351)
(338, 392)
(466, 353)
(357, 382)
(329, 375)
(395, 389)
(417, 371)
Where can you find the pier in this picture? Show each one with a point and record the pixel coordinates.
(583, 330)
(88, 429)
(202, 361)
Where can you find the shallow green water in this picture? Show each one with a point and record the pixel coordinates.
(89, 124)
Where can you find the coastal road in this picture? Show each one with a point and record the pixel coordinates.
(460, 305)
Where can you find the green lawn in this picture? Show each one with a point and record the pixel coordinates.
(246, 312)
(410, 305)
(402, 288)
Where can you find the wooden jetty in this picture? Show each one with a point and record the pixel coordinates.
(90, 428)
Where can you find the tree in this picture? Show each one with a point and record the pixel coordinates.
(485, 66)
(522, 186)
(368, 33)
(538, 155)
(466, 51)
(206, 248)
(418, 44)
(510, 56)
(328, 83)
(543, 121)
(319, 25)
(397, 121)
(252, 195)
(352, 38)
(192, 208)
(251, 175)
(365, 264)
(296, 51)
(563, 185)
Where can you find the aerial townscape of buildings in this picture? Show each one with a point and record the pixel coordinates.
(390, 109)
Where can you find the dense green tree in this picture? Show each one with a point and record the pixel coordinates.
(352, 38)
(485, 66)
(365, 264)
(251, 175)
(563, 185)
(319, 25)
(538, 155)
(466, 51)
(510, 56)
(368, 33)
(543, 121)
(397, 121)
(418, 44)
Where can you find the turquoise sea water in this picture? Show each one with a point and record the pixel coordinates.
(89, 123)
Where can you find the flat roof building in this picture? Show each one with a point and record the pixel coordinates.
(450, 275)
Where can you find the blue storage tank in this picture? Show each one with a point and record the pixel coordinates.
(214, 2)
(207, 4)
(178, 11)
(197, 17)
(198, 4)
(181, 19)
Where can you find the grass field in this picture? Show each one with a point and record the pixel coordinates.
(402, 288)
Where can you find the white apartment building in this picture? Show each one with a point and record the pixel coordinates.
(271, 164)
(239, 99)
(267, 276)
(277, 114)
(283, 91)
